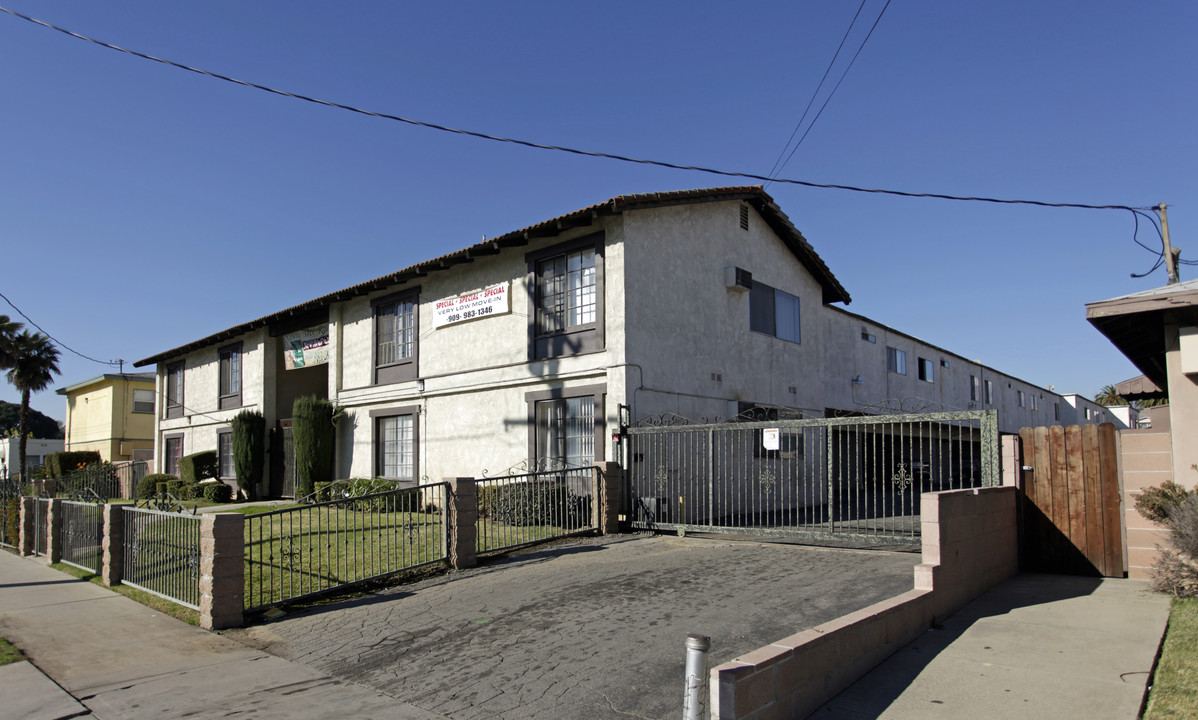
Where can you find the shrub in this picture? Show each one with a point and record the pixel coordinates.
(218, 492)
(147, 487)
(1156, 503)
(532, 503)
(1176, 568)
(198, 466)
(313, 432)
(65, 462)
(170, 487)
(188, 491)
(249, 450)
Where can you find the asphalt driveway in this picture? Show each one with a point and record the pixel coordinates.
(590, 628)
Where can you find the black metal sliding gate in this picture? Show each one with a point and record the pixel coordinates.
(855, 479)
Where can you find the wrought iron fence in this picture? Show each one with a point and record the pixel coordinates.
(299, 552)
(162, 554)
(82, 532)
(852, 477)
(515, 510)
(10, 512)
(105, 480)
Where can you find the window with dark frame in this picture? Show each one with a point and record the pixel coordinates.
(926, 370)
(974, 388)
(173, 405)
(565, 432)
(774, 312)
(230, 376)
(143, 401)
(172, 453)
(1022, 399)
(566, 298)
(989, 392)
(868, 337)
(896, 360)
(224, 455)
(396, 337)
(395, 439)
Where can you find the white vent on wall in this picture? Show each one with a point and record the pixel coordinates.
(738, 279)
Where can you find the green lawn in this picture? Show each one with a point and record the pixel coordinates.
(1174, 694)
(9, 653)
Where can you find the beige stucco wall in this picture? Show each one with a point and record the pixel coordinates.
(1183, 411)
(202, 418)
(100, 417)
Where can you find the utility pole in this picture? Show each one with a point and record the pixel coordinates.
(1171, 255)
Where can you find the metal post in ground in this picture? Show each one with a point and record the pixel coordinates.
(696, 676)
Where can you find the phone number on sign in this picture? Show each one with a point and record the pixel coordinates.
(467, 315)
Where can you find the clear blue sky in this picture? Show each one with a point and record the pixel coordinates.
(142, 207)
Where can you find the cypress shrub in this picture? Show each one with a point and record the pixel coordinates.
(197, 466)
(313, 433)
(249, 450)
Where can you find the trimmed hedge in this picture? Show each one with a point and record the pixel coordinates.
(539, 502)
(249, 451)
(65, 462)
(198, 466)
(147, 487)
(217, 492)
(313, 433)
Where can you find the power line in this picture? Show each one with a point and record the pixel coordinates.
(774, 168)
(837, 87)
(57, 342)
(573, 151)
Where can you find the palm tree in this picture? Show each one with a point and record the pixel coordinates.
(1109, 397)
(34, 365)
(8, 330)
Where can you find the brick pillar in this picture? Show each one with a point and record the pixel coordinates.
(54, 532)
(112, 563)
(463, 518)
(28, 508)
(606, 506)
(222, 570)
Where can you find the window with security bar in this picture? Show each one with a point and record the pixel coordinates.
(224, 454)
(566, 295)
(395, 338)
(566, 432)
(395, 447)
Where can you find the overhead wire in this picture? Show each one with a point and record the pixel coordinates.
(837, 87)
(562, 148)
(59, 343)
(774, 168)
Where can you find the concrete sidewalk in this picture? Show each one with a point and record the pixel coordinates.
(94, 653)
(1037, 646)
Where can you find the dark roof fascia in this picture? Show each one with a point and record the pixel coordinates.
(130, 377)
(833, 291)
(1135, 325)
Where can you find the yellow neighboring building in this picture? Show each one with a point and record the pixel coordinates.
(113, 414)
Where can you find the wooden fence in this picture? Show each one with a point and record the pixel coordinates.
(1071, 515)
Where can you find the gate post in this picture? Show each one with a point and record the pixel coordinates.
(54, 532)
(463, 522)
(605, 513)
(28, 510)
(112, 562)
(222, 570)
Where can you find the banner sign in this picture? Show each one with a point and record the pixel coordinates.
(306, 347)
(494, 300)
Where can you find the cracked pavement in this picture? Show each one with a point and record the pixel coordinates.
(584, 628)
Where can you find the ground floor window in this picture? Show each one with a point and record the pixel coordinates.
(172, 452)
(566, 432)
(224, 455)
(395, 447)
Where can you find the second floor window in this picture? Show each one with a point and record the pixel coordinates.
(566, 298)
(896, 360)
(773, 312)
(395, 338)
(230, 376)
(989, 392)
(143, 401)
(173, 406)
(974, 388)
(926, 370)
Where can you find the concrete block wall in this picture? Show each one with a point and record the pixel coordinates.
(1146, 458)
(970, 544)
